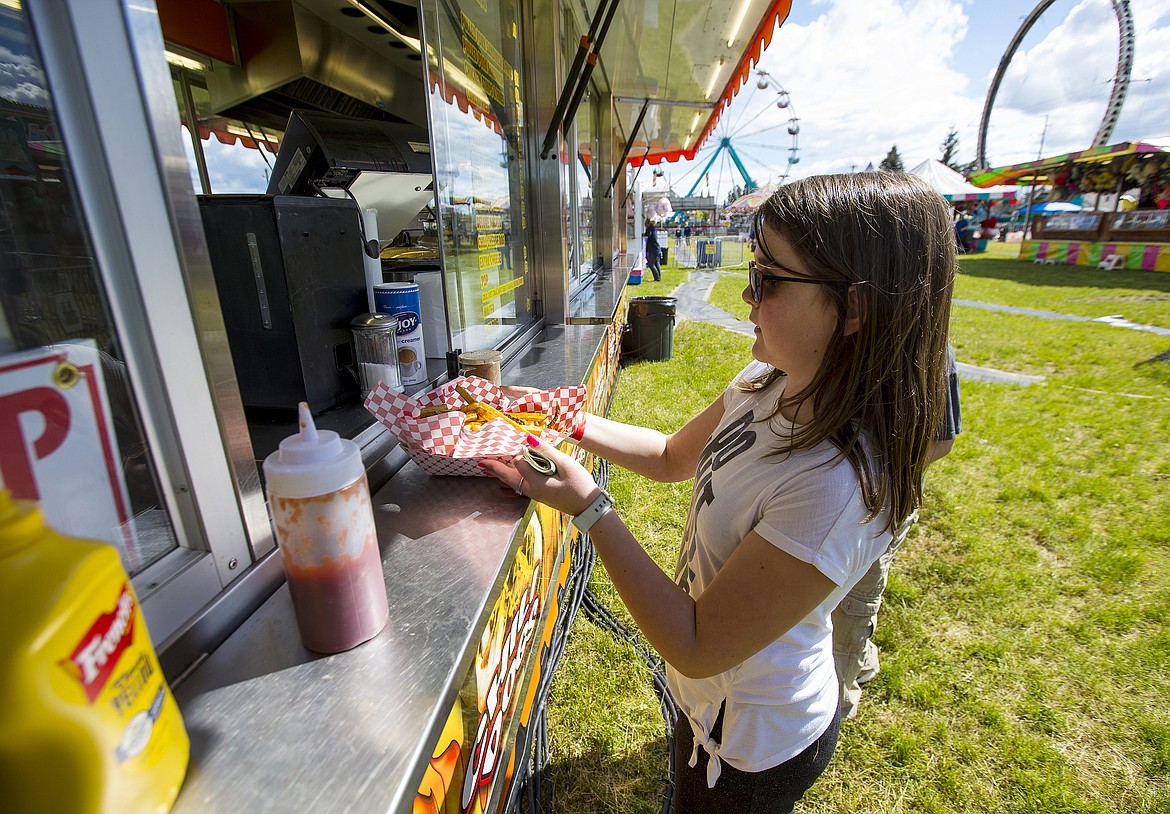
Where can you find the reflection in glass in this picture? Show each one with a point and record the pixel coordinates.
(72, 439)
(587, 130)
(237, 155)
(476, 112)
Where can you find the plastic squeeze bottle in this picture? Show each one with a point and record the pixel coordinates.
(320, 504)
(87, 721)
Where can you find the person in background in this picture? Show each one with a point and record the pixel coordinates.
(855, 619)
(803, 470)
(653, 251)
(964, 233)
(989, 228)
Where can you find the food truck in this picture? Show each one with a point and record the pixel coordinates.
(1136, 237)
(157, 335)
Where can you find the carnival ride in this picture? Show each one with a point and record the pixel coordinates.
(1125, 45)
(744, 144)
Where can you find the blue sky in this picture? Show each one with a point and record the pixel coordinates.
(866, 75)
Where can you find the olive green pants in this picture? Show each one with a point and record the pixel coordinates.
(854, 622)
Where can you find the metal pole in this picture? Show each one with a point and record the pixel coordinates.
(1032, 190)
(590, 64)
(193, 131)
(621, 162)
(583, 52)
(638, 233)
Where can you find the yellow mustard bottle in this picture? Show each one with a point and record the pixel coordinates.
(87, 721)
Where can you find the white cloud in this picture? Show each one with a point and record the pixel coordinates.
(232, 168)
(1144, 115)
(27, 93)
(863, 76)
(1067, 77)
(20, 79)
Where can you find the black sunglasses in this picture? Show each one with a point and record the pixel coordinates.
(757, 278)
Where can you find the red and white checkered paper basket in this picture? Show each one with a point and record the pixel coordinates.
(441, 446)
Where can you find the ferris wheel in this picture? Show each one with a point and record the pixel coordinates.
(1125, 39)
(748, 149)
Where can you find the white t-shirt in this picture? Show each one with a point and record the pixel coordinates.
(807, 504)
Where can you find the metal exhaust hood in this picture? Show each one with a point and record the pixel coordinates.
(316, 55)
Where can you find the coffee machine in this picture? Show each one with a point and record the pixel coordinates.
(290, 265)
(290, 277)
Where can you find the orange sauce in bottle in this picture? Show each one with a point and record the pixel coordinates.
(324, 522)
(333, 566)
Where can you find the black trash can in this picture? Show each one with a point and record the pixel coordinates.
(663, 252)
(651, 328)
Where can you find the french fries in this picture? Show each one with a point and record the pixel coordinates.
(479, 413)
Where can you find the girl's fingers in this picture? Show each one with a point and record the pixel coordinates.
(493, 466)
(568, 489)
(545, 448)
(508, 476)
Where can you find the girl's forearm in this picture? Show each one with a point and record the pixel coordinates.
(637, 449)
(664, 458)
(663, 611)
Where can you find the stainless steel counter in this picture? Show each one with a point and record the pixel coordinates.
(277, 728)
(595, 301)
(560, 355)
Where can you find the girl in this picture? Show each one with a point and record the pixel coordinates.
(802, 469)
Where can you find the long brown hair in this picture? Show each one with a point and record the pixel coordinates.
(879, 393)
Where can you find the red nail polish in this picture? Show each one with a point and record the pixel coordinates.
(533, 441)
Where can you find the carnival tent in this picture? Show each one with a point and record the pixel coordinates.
(1052, 207)
(954, 187)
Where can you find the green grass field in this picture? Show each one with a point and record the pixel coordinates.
(1026, 631)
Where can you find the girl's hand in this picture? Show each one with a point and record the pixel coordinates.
(570, 490)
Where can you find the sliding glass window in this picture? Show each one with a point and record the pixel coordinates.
(474, 80)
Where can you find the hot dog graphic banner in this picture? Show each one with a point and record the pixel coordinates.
(483, 749)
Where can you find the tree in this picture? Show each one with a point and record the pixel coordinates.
(950, 147)
(736, 192)
(892, 162)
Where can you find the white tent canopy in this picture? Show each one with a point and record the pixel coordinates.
(954, 187)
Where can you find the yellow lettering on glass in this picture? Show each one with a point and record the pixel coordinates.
(501, 289)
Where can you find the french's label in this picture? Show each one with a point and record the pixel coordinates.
(98, 652)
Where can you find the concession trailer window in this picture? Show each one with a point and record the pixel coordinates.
(474, 80)
(97, 340)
